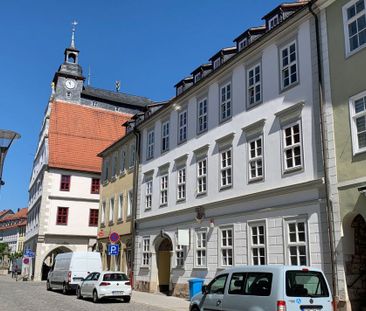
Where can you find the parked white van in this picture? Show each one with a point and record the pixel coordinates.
(70, 269)
(265, 288)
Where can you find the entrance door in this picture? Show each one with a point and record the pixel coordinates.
(163, 263)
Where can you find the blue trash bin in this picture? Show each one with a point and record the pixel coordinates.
(195, 287)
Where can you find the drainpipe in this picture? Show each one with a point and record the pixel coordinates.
(329, 206)
(136, 132)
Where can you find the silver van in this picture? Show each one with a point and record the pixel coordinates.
(265, 288)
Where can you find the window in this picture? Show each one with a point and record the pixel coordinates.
(150, 145)
(288, 64)
(106, 169)
(146, 251)
(217, 285)
(354, 17)
(102, 217)
(198, 77)
(202, 115)
(297, 245)
(226, 168)
(148, 194)
(306, 284)
(358, 122)
(132, 156)
(163, 190)
(202, 176)
(217, 63)
(165, 136)
(179, 252)
(182, 126)
(226, 247)
(201, 246)
(254, 82)
(95, 185)
(258, 244)
(120, 207)
(255, 159)
(292, 147)
(114, 164)
(273, 22)
(179, 90)
(111, 209)
(123, 161)
(65, 183)
(181, 184)
(253, 283)
(93, 217)
(62, 215)
(129, 203)
(225, 102)
(243, 43)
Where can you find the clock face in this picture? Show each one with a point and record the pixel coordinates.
(70, 84)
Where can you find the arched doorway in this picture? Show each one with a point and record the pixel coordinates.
(355, 264)
(49, 260)
(163, 251)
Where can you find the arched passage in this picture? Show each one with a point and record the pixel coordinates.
(163, 248)
(49, 260)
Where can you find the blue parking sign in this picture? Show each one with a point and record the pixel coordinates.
(113, 249)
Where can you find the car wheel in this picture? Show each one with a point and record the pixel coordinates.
(195, 308)
(127, 299)
(65, 290)
(48, 285)
(78, 293)
(95, 297)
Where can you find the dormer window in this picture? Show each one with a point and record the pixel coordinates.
(273, 22)
(217, 63)
(243, 43)
(180, 90)
(198, 77)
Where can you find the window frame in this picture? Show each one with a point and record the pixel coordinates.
(202, 116)
(150, 143)
(297, 243)
(202, 176)
(250, 69)
(163, 189)
(65, 185)
(145, 251)
(95, 186)
(92, 217)
(226, 248)
(122, 167)
(226, 103)
(292, 147)
(132, 156)
(347, 22)
(181, 183)
(353, 117)
(120, 207)
(200, 249)
(129, 203)
(256, 158)
(179, 254)
(62, 223)
(289, 65)
(252, 245)
(182, 128)
(243, 44)
(165, 132)
(111, 210)
(226, 169)
(102, 214)
(148, 193)
(273, 21)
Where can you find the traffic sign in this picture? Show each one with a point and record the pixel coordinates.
(113, 249)
(29, 253)
(114, 237)
(26, 260)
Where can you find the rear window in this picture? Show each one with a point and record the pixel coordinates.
(253, 283)
(115, 277)
(306, 284)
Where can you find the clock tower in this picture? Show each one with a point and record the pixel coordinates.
(68, 80)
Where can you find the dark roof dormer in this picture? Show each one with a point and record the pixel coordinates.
(281, 12)
(201, 72)
(249, 36)
(183, 84)
(222, 56)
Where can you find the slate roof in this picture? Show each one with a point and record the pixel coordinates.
(77, 133)
(116, 97)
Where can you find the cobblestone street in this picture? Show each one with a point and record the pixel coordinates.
(32, 296)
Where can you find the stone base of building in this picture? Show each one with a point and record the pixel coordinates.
(142, 286)
(180, 290)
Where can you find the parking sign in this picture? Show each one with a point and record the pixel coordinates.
(113, 249)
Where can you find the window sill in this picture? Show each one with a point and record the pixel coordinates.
(200, 268)
(145, 267)
(105, 182)
(202, 132)
(130, 169)
(181, 200)
(59, 225)
(163, 205)
(223, 188)
(122, 173)
(289, 87)
(355, 51)
(110, 223)
(147, 209)
(359, 152)
(293, 170)
(201, 194)
(222, 121)
(119, 221)
(256, 179)
(114, 178)
(102, 225)
(252, 106)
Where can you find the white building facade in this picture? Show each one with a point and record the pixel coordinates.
(231, 169)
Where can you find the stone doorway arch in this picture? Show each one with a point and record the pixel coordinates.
(49, 260)
(164, 249)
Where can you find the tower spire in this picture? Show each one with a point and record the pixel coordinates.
(74, 23)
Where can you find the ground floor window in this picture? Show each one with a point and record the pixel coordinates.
(297, 242)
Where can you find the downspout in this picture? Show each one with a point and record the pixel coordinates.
(136, 132)
(329, 206)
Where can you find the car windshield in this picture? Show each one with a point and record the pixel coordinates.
(115, 277)
(303, 283)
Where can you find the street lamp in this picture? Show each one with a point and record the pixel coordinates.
(6, 139)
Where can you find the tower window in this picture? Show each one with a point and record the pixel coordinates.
(71, 58)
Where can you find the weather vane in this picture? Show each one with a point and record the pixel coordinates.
(74, 23)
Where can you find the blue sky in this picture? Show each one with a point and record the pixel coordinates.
(148, 45)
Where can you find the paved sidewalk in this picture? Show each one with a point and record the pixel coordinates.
(160, 300)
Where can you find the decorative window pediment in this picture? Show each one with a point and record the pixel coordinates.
(254, 129)
(290, 114)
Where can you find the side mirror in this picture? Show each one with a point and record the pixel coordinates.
(204, 290)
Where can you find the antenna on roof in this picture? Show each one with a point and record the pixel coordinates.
(118, 85)
(89, 75)
(74, 23)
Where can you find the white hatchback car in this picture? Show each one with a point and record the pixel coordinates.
(106, 284)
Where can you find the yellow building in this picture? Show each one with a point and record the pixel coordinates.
(116, 199)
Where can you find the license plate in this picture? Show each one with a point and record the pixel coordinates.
(117, 293)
